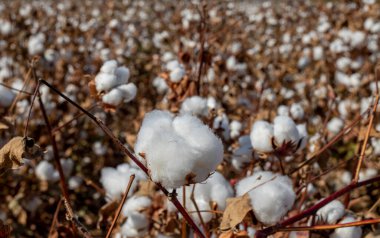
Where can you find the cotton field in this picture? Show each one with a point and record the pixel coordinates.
(230, 119)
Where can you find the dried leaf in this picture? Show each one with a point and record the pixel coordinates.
(146, 188)
(372, 133)
(237, 209)
(105, 212)
(13, 153)
(5, 123)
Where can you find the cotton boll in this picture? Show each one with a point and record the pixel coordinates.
(235, 128)
(318, 53)
(177, 74)
(46, 172)
(367, 174)
(285, 130)
(67, 166)
(109, 67)
(172, 65)
(160, 84)
(297, 112)
(6, 96)
(178, 151)
(347, 232)
(113, 97)
(335, 125)
(195, 105)
(105, 81)
(136, 204)
(331, 212)
(128, 229)
(271, 195)
(222, 122)
(75, 182)
(36, 44)
(343, 63)
(283, 110)
(129, 91)
(261, 136)
(302, 131)
(357, 39)
(99, 149)
(122, 74)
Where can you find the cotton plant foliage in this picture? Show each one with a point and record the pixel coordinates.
(271, 195)
(177, 150)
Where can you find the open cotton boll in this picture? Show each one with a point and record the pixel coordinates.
(67, 166)
(177, 74)
(335, 125)
(122, 93)
(172, 65)
(116, 180)
(222, 122)
(109, 67)
(331, 212)
(297, 112)
(367, 174)
(285, 130)
(6, 96)
(46, 172)
(160, 84)
(122, 74)
(347, 232)
(129, 229)
(271, 195)
(302, 131)
(178, 151)
(243, 154)
(283, 110)
(261, 136)
(136, 204)
(105, 81)
(196, 106)
(235, 128)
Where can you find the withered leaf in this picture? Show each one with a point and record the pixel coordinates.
(146, 188)
(5, 123)
(105, 212)
(237, 209)
(13, 153)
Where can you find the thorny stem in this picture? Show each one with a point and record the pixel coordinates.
(127, 152)
(132, 177)
(310, 211)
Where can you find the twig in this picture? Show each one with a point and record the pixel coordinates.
(132, 177)
(55, 218)
(184, 233)
(192, 197)
(74, 220)
(127, 152)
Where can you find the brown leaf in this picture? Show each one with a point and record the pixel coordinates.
(237, 209)
(13, 153)
(372, 133)
(105, 212)
(6, 123)
(146, 188)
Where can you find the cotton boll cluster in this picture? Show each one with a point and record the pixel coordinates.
(215, 189)
(138, 222)
(347, 232)
(115, 181)
(113, 82)
(271, 195)
(331, 212)
(177, 150)
(196, 106)
(283, 134)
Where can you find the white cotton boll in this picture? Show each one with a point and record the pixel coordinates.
(6, 96)
(335, 125)
(113, 97)
(46, 172)
(115, 181)
(172, 65)
(36, 44)
(297, 112)
(347, 232)
(235, 128)
(105, 82)
(376, 146)
(136, 204)
(271, 195)
(129, 91)
(99, 149)
(283, 110)
(128, 229)
(231, 63)
(5, 27)
(18, 84)
(211, 103)
(331, 212)
(261, 136)
(242, 155)
(343, 63)
(368, 24)
(179, 150)
(196, 106)
(160, 84)
(177, 74)
(318, 53)
(367, 174)
(67, 166)
(109, 67)
(285, 130)
(122, 74)
(302, 131)
(357, 39)
(222, 122)
(75, 182)
(303, 62)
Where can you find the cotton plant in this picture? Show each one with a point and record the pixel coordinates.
(216, 189)
(271, 195)
(115, 180)
(112, 86)
(177, 150)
